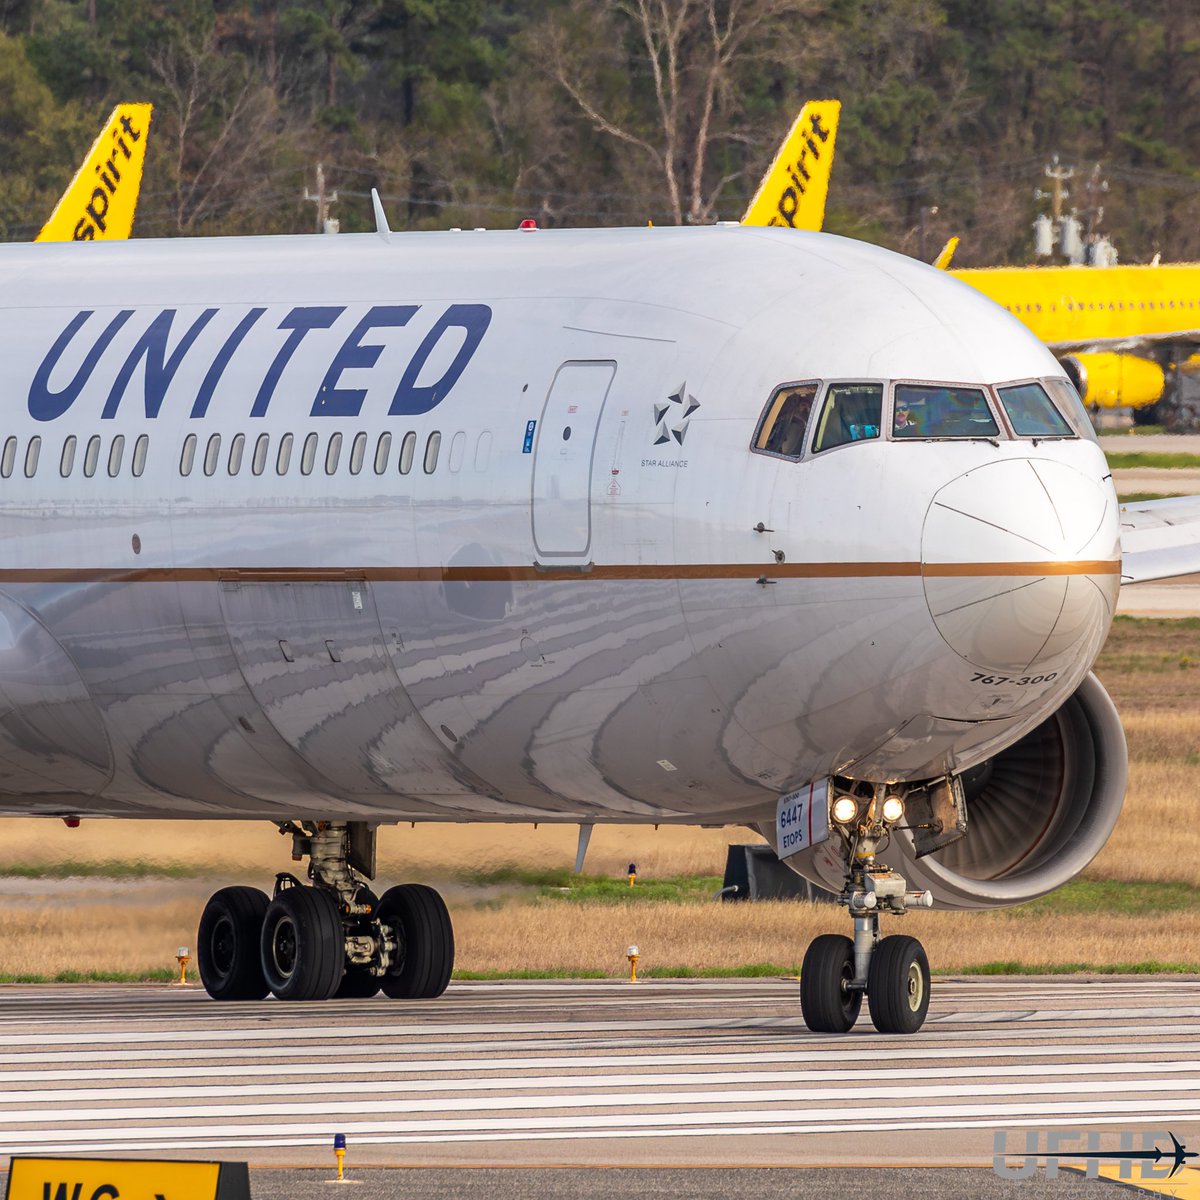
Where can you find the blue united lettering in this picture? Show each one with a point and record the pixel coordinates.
(258, 352)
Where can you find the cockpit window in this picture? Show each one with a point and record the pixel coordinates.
(929, 411)
(852, 413)
(785, 422)
(1063, 392)
(1032, 413)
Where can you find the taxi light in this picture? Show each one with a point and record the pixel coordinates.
(893, 808)
(845, 809)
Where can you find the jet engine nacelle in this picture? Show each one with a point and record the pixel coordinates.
(1036, 814)
(1109, 380)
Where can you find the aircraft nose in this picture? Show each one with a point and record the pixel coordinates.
(1021, 565)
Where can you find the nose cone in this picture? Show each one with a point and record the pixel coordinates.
(1021, 565)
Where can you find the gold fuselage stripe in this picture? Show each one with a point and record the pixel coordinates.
(551, 571)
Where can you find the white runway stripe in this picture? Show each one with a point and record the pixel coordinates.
(326, 1087)
(119, 1072)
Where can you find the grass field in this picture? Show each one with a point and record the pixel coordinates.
(119, 897)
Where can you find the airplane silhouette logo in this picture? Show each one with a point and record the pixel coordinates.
(1178, 1154)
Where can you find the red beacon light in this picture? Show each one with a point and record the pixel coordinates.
(529, 225)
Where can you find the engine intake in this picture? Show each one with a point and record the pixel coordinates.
(1037, 813)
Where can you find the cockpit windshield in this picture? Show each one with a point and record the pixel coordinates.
(942, 411)
(785, 422)
(852, 412)
(1032, 413)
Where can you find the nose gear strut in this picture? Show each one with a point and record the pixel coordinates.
(892, 972)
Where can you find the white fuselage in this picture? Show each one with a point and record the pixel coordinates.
(571, 614)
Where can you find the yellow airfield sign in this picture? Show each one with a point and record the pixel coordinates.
(125, 1179)
(101, 200)
(793, 191)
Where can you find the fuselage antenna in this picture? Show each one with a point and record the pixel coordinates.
(381, 225)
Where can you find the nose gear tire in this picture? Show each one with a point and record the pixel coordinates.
(425, 935)
(826, 1001)
(227, 944)
(898, 985)
(302, 945)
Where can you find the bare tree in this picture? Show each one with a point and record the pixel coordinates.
(696, 55)
(217, 127)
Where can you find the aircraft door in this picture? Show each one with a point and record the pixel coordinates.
(562, 460)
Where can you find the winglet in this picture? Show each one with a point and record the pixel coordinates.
(103, 196)
(942, 262)
(792, 193)
(381, 225)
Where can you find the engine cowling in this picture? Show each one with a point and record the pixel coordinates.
(1109, 380)
(1037, 814)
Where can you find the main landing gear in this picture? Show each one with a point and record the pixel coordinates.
(331, 937)
(892, 972)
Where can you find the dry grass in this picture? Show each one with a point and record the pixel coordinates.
(231, 849)
(111, 934)
(553, 936)
(1151, 668)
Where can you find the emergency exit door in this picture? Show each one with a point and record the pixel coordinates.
(562, 460)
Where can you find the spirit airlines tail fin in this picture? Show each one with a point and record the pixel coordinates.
(102, 197)
(792, 192)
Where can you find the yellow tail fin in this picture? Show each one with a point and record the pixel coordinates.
(942, 262)
(101, 200)
(792, 192)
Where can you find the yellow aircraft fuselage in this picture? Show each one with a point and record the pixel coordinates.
(1072, 308)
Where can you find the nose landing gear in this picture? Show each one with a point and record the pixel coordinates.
(332, 937)
(892, 972)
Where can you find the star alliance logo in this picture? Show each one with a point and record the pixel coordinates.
(671, 416)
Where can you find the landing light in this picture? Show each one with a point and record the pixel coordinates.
(893, 809)
(845, 809)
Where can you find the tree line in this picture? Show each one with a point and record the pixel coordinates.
(604, 112)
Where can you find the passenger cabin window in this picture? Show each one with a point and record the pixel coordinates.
(458, 448)
(1032, 412)
(68, 457)
(91, 456)
(308, 455)
(237, 448)
(851, 413)
(32, 452)
(483, 450)
(432, 447)
(187, 456)
(928, 411)
(212, 455)
(408, 449)
(140, 449)
(358, 452)
(262, 447)
(116, 451)
(785, 422)
(383, 451)
(9, 458)
(333, 451)
(283, 459)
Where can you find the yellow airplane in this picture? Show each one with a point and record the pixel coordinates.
(102, 198)
(1112, 328)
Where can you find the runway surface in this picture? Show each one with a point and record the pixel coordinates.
(674, 1073)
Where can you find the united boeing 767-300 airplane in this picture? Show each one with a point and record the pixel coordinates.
(711, 525)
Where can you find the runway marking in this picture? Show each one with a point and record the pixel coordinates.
(693, 1079)
(813, 1118)
(91, 1077)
